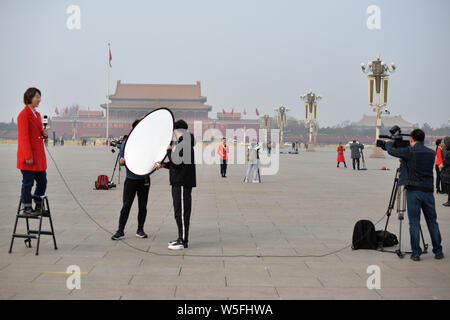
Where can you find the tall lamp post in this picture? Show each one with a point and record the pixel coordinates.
(378, 81)
(311, 99)
(281, 122)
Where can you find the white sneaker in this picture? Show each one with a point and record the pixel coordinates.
(246, 180)
(179, 245)
(255, 181)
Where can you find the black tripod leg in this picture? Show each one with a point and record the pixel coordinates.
(399, 252)
(425, 246)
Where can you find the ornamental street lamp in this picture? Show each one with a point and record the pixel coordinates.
(281, 122)
(378, 81)
(311, 99)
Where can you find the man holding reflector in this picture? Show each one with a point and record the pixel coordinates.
(182, 179)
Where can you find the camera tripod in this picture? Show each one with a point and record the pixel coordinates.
(399, 194)
(113, 185)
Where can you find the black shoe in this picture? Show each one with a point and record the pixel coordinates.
(415, 258)
(29, 211)
(119, 235)
(439, 256)
(447, 204)
(141, 234)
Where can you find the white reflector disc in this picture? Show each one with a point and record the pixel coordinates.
(148, 141)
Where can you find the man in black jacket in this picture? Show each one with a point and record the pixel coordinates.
(182, 178)
(416, 174)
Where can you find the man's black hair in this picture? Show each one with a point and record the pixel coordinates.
(418, 135)
(135, 123)
(180, 124)
(354, 140)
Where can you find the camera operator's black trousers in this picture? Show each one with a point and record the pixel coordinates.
(182, 213)
(130, 189)
(223, 167)
(355, 161)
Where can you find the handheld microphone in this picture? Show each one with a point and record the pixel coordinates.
(45, 122)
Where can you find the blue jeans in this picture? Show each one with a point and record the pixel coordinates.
(28, 178)
(415, 201)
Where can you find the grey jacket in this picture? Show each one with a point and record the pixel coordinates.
(355, 147)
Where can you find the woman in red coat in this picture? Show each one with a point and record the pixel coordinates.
(340, 157)
(31, 158)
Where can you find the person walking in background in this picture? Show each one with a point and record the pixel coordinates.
(223, 151)
(445, 170)
(340, 156)
(439, 161)
(253, 162)
(31, 159)
(355, 148)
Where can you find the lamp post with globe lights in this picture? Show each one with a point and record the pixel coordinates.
(311, 99)
(378, 83)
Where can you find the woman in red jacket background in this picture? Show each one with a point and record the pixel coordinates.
(31, 158)
(340, 157)
(223, 151)
(439, 161)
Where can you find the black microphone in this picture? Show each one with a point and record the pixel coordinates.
(45, 122)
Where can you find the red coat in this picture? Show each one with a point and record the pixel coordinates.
(31, 141)
(439, 157)
(223, 152)
(340, 157)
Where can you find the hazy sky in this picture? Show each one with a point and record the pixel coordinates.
(246, 54)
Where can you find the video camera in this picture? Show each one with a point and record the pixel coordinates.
(117, 143)
(396, 136)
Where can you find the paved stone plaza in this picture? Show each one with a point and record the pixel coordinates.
(308, 208)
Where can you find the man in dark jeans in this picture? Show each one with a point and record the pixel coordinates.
(182, 178)
(416, 174)
(133, 185)
(355, 148)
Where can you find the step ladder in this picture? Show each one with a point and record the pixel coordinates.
(34, 234)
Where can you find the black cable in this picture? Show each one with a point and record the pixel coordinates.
(192, 255)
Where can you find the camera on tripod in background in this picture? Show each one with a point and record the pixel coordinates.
(117, 143)
(397, 138)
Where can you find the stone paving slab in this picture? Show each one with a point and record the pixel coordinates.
(308, 209)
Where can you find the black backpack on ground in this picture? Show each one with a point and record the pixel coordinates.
(387, 239)
(364, 235)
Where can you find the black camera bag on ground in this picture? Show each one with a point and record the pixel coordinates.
(388, 239)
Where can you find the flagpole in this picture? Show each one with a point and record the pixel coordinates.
(107, 97)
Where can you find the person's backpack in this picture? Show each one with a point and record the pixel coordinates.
(387, 239)
(364, 235)
(102, 182)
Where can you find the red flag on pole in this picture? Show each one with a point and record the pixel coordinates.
(232, 111)
(223, 111)
(56, 111)
(77, 108)
(110, 57)
(67, 110)
(245, 112)
(257, 112)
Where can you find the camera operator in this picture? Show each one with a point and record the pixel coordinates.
(133, 185)
(416, 174)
